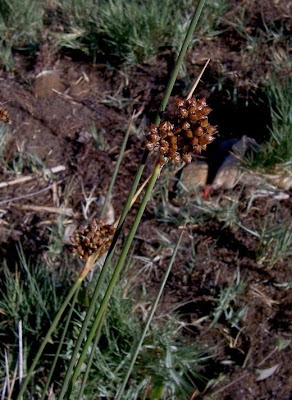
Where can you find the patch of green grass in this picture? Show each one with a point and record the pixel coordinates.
(167, 364)
(25, 162)
(276, 153)
(30, 294)
(274, 241)
(21, 22)
(21, 161)
(224, 209)
(131, 31)
(259, 37)
(227, 304)
(210, 19)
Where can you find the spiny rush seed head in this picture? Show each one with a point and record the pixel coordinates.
(189, 134)
(96, 236)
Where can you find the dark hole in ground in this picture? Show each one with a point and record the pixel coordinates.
(244, 117)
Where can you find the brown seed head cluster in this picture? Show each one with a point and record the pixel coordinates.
(190, 133)
(4, 116)
(94, 237)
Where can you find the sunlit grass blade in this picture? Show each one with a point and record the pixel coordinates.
(153, 308)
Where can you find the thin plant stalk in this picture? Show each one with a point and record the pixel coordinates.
(112, 283)
(13, 382)
(46, 339)
(133, 190)
(117, 167)
(178, 64)
(88, 367)
(198, 80)
(144, 395)
(20, 351)
(149, 319)
(96, 340)
(53, 366)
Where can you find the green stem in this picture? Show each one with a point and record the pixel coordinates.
(92, 354)
(82, 333)
(178, 64)
(154, 306)
(95, 343)
(60, 344)
(117, 167)
(46, 339)
(114, 279)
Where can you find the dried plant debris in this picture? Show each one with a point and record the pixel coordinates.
(189, 134)
(94, 237)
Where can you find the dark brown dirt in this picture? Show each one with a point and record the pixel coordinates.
(52, 114)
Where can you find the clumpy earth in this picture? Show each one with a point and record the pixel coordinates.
(71, 117)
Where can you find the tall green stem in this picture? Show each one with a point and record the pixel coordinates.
(88, 366)
(178, 64)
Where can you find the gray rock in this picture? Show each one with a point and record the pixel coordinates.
(229, 173)
(194, 176)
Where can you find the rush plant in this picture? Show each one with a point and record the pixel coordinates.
(189, 133)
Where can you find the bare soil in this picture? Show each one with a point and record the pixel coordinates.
(52, 115)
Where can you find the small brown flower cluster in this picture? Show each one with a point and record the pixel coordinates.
(191, 132)
(94, 237)
(4, 116)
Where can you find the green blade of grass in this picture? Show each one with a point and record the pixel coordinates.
(95, 343)
(154, 306)
(88, 367)
(53, 366)
(178, 64)
(117, 167)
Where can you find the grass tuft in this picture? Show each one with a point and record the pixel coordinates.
(33, 295)
(227, 304)
(276, 153)
(30, 294)
(21, 23)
